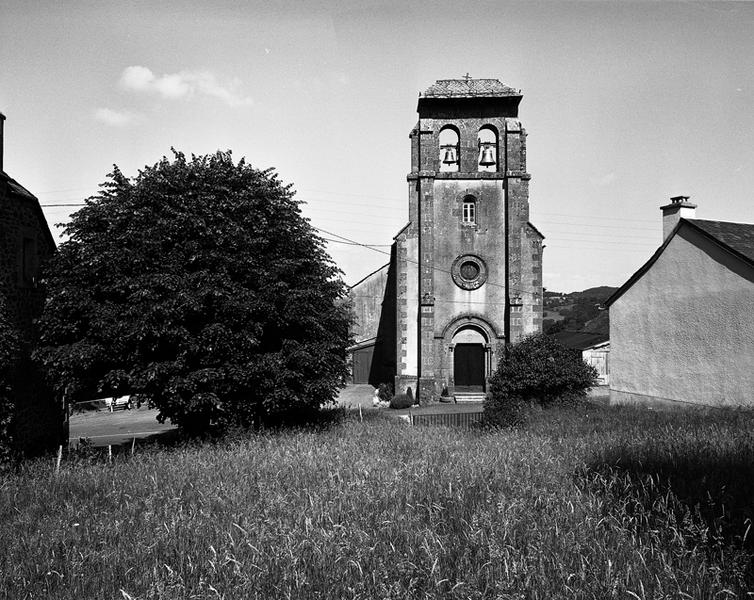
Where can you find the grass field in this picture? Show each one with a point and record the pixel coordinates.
(594, 502)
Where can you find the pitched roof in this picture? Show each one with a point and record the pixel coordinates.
(736, 238)
(15, 189)
(469, 88)
(580, 340)
(530, 224)
(363, 279)
(406, 226)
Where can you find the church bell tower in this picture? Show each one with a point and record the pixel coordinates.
(469, 262)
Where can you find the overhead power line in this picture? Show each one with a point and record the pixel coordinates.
(585, 241)
(356, 243)
(551, 234)
(416, 262)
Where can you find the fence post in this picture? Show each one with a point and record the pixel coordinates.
(60, 457)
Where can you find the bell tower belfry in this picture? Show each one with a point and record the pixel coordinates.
(469, 264)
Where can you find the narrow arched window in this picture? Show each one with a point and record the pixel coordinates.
(469, 210)
(487, 148)
(449, 149)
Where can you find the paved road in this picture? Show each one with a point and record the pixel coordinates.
(103, 428)
(355, 395)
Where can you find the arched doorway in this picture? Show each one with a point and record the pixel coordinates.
(469, 359)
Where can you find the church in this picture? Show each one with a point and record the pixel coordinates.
(465, 274)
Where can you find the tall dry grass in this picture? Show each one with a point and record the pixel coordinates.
(583, 503)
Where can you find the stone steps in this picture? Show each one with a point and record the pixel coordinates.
(470, 397)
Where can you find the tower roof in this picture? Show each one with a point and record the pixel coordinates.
(469, 88)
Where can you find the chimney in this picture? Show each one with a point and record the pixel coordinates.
(679, 208)
(2, 125)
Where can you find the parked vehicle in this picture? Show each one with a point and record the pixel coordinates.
(119, 403)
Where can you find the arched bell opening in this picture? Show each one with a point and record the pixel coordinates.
(450, 149)
(471, 351)
(487, 142)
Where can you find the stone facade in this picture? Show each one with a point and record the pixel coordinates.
(468, 266)
(25, 245)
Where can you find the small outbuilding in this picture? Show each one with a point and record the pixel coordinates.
(594, 348)
(682, 327)
(598, 356)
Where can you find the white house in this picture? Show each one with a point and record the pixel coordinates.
(682, 327)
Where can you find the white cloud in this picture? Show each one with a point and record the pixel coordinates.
(136, 78)
(115, 118)
(184, 84)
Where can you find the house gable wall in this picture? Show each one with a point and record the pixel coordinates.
(20, 222)
(683, 331)
(25, 246)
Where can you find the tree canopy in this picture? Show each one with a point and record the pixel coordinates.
(200, 288)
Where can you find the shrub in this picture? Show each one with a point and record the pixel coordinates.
(445, 395)
(9, 354)
(385, 392)
(402, 400)
(539, 370)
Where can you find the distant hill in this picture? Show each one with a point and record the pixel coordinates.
(577, 313)
(603, 292)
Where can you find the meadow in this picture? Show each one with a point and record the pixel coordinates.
(588, 502)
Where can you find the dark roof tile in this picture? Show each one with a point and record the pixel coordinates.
(580, 340)
(469, 88)
(737, 236)
(14, 187)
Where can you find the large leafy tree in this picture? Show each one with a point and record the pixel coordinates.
(199, 287)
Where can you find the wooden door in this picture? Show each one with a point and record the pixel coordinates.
(362, 364)
(468, 367)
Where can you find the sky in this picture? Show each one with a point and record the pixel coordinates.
(625, 105)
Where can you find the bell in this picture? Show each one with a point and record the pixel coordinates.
(488, 157)
(450, 155)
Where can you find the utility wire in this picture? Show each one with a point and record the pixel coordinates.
(311, 203)
(584, 238)
(376, 247)
(416, 262)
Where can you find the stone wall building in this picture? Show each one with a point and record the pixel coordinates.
(467, 268)
(25, 244)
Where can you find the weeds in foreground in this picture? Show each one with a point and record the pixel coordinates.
(582, 503)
